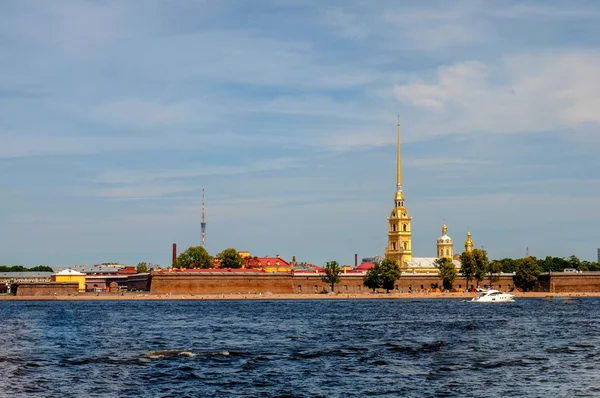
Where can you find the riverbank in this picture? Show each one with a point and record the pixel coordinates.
(141, 296)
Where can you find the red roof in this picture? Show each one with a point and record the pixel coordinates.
(365, 266)
(214, 270)
(270, 262)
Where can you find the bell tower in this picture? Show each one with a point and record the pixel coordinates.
(444, 244)
(399, 246)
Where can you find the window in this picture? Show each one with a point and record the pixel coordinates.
(405, 246)
(404, 227)
(421, 286)
(394, 227)
(393, 245)
(447, 252)
(345, 288)
(316, 288)
(358, 288)
(299, 288)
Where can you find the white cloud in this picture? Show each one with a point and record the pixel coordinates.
(554, 12)
(459, 82)
(135, 191)
(434, 29)
(149, 175)
(345, 23)
(522, 93)
(141, 113)
(361, 139)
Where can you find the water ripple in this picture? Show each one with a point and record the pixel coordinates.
(329, 348)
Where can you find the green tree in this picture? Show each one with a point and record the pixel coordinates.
(41, 268)
(552, 264)
(574, 262)
(372, 278)
(481, 264)
(527, 273)
(467, 266)
(141, 268)
(389, 273)
(507, 265)
(230, 258)
(332, 274)
(447, 272)
(194, 257)
(494, 270)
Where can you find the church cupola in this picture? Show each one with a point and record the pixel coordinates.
(469, 243)
(444, 244)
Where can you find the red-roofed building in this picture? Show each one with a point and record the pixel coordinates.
(364, 267)
(276, 264)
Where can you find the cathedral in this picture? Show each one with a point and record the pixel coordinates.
(399, 246)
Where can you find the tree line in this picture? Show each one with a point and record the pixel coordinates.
(20, 268)
(476, 266)
(198, 257)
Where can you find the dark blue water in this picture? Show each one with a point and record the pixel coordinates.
(424, 348)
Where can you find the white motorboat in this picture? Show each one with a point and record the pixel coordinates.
(492, 296)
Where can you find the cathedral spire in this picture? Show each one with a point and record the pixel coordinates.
(399, 246)
(399, 193)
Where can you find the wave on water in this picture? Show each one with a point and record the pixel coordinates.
(166, 354)
(428, 348)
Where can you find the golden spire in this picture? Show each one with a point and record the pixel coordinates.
(399, 193)
(444, 228)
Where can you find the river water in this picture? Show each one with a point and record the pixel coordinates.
(298, 348)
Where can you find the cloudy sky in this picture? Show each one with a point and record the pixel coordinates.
(114, 114)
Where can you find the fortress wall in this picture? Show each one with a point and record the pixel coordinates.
(575, 282)
(224, 283)
(219, 283)
(47, 288)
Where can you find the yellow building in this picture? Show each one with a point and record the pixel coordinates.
(68, 275)
(444, 244)
(469, 243)
(276, 264)
(399, 235)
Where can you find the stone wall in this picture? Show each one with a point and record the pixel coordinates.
(228, 283)
(47, 288)
(585, 282)
(219, 283)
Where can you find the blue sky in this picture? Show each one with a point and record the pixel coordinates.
(114, 114)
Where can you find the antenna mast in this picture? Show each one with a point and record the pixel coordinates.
(203, 223)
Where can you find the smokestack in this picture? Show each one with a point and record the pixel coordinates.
(355, 260)
(174, 254)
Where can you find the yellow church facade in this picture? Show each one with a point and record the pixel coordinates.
(399, 246)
